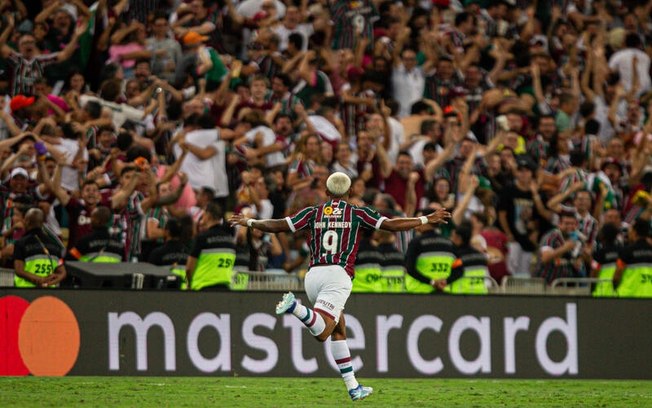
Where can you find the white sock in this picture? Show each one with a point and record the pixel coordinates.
(342, 356)
(313, 321)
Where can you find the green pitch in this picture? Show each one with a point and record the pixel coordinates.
(319, 392)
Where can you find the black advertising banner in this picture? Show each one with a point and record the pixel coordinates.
(60, 332)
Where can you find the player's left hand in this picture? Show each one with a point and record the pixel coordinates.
(238, 219)
(440, 216)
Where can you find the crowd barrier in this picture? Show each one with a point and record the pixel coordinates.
(281, 281)
(6, 278)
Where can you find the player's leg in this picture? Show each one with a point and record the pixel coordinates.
(320, 324)
(342, 356)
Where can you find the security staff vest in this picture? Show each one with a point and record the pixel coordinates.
(474, 271)
(607, 258)
(637, 276)
(367, 269)
(40, 254)
(174, 255)
(99, 247)
(434, 256)
(180, 272)
(241, 268)
(392, 269)
(215, 253)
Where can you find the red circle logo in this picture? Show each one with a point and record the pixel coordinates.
(41, 338)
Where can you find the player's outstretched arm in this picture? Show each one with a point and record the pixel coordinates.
(441, 216)
(280, 225)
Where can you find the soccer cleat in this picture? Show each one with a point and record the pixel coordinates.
(360, 392)
(286, 304)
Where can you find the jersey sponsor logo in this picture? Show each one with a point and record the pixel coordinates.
(332, 212)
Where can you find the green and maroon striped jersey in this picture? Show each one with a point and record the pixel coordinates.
(334, 231)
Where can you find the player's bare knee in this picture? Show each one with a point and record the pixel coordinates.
(337, 336)
(323, 336)
(328, 331)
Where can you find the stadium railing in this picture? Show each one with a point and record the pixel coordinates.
(516, 285)
(6, 277)
(575, 286)
(492, 286)
(250, 280)
(468, 285)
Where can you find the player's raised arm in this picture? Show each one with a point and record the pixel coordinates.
(440, 216)
(279, 225)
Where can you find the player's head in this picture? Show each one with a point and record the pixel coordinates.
(338, 185)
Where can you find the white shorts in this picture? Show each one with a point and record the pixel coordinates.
(328, 288)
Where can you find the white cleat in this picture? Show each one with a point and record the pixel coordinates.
(286, 304)
(360, 393)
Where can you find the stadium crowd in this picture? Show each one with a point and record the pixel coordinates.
(136, 125)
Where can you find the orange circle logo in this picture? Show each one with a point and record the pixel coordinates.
(328, 210)
(41, 338)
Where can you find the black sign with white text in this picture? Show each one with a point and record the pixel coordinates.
(224, 334)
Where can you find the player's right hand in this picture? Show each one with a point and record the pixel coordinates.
(238, 219)
(440, 216)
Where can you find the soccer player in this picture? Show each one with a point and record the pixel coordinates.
(334, 230)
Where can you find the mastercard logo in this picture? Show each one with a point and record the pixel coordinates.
(39, 338)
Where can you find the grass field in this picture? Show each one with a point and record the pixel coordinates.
(319, 392)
